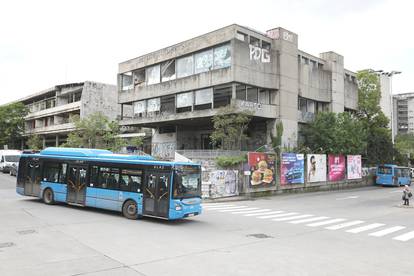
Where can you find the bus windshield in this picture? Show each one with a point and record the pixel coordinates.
(12, 158)
(384, 170)
(187, 182)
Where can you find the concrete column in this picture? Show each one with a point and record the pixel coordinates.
(57, 140)
(44, 142)
(233, 91)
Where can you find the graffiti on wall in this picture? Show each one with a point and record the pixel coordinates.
(259, 54)
(221, 183)
(163, 150)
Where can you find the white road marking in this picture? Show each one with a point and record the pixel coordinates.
(265, 213)
(405, 237)
(343, 225)
(308, 220)
(348, 197)
(365, 228)
(387, 231)
(291, 218)
(232, 210)
(255, 210)
(214, 204)
(227, 208)
(221, 206)
(325, 222)
(276, 216)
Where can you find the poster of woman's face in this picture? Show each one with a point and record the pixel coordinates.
(316, 167)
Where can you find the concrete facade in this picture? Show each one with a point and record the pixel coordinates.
(403, 113)
(51, 110)
(178, 89)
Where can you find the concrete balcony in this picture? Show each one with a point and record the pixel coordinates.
(54, 110)
(153, 119)
(305, 117)
(61, 128)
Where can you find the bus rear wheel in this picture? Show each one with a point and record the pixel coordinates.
(130, 210)
(48, 197)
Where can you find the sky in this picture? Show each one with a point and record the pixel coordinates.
(46, 43)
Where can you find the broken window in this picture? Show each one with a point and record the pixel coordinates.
(222, 56)
(203, 61)
(139, 108)
(139, 76)
(254, 41)
(168, 70)
(126, 80)
(241, 92)
(266, 45)
(153, 74)
(185, 66)
(251, 94)
(168, 104)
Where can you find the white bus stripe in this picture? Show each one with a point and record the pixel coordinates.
(232, 210)
(365, 228)
(325, 222)
(405, 237)
(292, 218)
(343, 225)
(265, 213)
(278, 215)
(308, 220)
(387, 231)
(253, 210)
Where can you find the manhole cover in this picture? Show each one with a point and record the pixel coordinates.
(26, 232)
(260, 236)
(6, 244)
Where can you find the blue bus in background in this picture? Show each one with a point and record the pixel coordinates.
(134, 185)
(393, 175)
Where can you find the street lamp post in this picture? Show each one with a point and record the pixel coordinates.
(390, 74)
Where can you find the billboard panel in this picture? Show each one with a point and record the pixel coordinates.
(262, 169)
(316, 171)
(336, 165)
(292, 168)
(354, 165)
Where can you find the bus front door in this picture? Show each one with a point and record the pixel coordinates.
(156, 194)
(32, 181)
(76, 184)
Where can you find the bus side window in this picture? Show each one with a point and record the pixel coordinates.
(62, 172)
(51, 172)
(108, 178)
(130, 180)
(93, 182)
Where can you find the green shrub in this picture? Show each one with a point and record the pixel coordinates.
(230, 161)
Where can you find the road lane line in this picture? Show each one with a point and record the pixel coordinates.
(227, 208)
(265, 213)
(387, 231)
(365, 228)
(278, 215)
(343, 225)
(221, 206)
(325, 222)
(405, 237)
(232, 210)
(214, 204)
(250, 212)
(308, 220)
(291, 218)
(348, 197)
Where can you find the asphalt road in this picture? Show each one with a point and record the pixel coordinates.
(353, 232)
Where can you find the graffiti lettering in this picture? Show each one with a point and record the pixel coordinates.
(259, 54)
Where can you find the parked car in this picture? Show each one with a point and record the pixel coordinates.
(8, 158)
(13, 169)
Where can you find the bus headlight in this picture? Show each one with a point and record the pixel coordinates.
(178, 207)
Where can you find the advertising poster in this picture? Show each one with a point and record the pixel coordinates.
(316, 167)
(262, 169)
(292, 169)
(336, 165)
(354, 165)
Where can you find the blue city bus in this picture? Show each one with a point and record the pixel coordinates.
(134, 185)
(393, 175)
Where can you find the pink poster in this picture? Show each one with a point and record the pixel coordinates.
(337, 169)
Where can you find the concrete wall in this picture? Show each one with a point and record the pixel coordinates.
(314, 83)
(351, 95)
(99, 97)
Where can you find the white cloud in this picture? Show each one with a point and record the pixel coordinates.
(44, 43)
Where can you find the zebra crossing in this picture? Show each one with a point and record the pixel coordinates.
(397, 233)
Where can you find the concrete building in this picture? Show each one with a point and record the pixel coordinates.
(177, 90)
(50, 110)
(404, 113)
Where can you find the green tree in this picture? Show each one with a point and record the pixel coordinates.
(379, 147)
(12, 124)
(35, 142)
(404, 144)
(229, 128)
(137, 141)
(95, 131)
(338, 133)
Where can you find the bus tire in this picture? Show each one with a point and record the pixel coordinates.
(48, 197)
(130, 209)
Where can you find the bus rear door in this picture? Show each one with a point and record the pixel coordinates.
(156, 194)
(33, 177)
(76, 184)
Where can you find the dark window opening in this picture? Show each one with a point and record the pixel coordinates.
(241, 92)
(254, 41)
(166, 129)
(222, 96)
(183, 109)
(167, 104)
(139, 76)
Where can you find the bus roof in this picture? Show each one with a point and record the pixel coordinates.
(100, 155)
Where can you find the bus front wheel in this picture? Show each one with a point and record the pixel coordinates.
(48, 197)
(130, 210)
